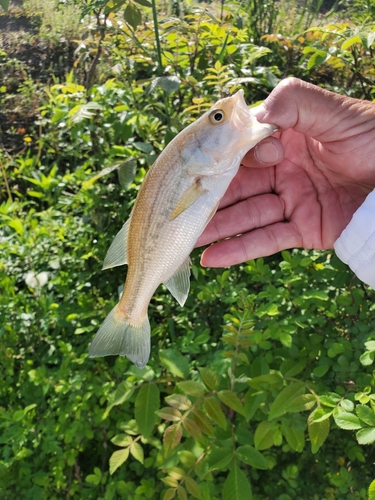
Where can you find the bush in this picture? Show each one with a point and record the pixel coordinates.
(262, 385)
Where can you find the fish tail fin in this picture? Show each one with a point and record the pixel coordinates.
(117, 336)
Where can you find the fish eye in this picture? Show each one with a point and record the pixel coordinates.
(217, 116)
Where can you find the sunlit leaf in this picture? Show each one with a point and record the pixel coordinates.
(137, 451)
(318, 433)
(117, 459)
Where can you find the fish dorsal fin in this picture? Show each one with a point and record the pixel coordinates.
(179, 283)
(117, 253)
(188, 198)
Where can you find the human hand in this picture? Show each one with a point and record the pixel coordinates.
(301, 187)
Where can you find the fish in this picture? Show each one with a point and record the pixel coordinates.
(178, 197)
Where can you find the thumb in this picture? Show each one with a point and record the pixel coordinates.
(307, 109)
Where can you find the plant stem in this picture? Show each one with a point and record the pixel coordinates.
(157, 40)
(6, 181)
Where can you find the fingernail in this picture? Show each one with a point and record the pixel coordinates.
(259, 111)
(266, 152)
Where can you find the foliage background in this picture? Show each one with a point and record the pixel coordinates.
(262, 386)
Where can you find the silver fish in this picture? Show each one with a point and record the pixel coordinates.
(177, 199)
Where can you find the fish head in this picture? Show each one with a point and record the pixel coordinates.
(229, 127)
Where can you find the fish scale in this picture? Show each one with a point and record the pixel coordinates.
(177, 199)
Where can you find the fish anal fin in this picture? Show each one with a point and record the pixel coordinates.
(117, 252)
(188, 198)
(117, 336)
(179, 283)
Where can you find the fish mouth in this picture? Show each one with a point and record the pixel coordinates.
(242, 117)
(241, 113)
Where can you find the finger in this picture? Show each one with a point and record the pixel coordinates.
(311, 110)
(267, 153)
(258, 243)
(242, 217)
(248, 182)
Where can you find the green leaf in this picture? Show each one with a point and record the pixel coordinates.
(137, 451)
(301, 403)
(187, 458)
(292, 367)
(367, 358)
(192, 388)
(118, 458)
(132, 15)
(263, 437)
(123, 392)
(366, 436)
(193, 487)
(122, 440)
(236, 486)
(209, 378)
(346, 420)
(174, 362)
(146, 404)
(251, 456)
(83, 111)
(351, 41)
(286, 339)
(316, 294)
(366, 414)
(170, 414)
(145, 3)
(169, 494)
(371, 491)
(347, 405)
(178, 401)
(181, 493)
(263, 382)
(126, 172)
(220, 458)
(252, 402)
(231, 399)
(320, 414)
(320, 371)
(213, 409)
(370, 345)
(172, 436)
(294, 437)
(192, 428)
(4, 4)
(284, 398)
(330, 399)
(318, 432)
(203, 422)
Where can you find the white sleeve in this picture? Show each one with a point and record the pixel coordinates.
(356, 244)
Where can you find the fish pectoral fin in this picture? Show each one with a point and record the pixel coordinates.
(117, 253)
(188, 198)
(179, 283)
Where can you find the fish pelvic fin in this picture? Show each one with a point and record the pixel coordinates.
(179, 283)
(117, 337)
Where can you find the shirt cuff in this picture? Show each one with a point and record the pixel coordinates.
(356, 244)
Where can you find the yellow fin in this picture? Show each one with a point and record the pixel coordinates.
(188, 198)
